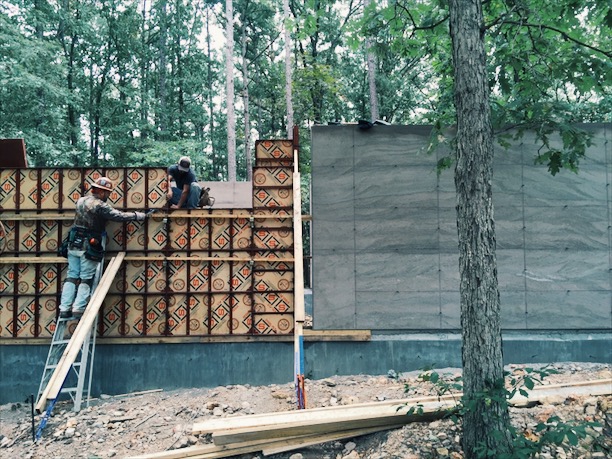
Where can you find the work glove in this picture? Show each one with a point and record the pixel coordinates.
(140, 216)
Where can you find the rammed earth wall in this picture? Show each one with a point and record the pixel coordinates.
(384, 240)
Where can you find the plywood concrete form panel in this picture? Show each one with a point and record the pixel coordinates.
(551, 231)
(162, 288)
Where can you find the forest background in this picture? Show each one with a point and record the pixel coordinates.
(140, 83)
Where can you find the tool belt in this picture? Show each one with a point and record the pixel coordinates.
(89, 241)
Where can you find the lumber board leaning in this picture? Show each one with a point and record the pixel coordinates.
(298, 268)
(83, 328)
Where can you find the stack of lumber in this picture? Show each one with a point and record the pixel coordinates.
(274, 433)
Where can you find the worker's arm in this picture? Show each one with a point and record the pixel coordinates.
(169, 179)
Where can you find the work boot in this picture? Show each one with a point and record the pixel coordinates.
(77, 313)
(65, 314)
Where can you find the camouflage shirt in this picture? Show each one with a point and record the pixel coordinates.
(93, 213)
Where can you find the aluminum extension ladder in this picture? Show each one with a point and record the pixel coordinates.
(82, 367)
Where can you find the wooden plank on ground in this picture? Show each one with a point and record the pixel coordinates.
(83, 328)
(333, 422)
(271, 438)
(198, 450)
(595, 387)
(290, 444)
(312, 414)
(286, 444)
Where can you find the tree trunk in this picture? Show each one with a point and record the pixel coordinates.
(211, 105)
(486, 422)
(144, 75)
(231, 116)
(371, 58)
(180, 76)
(245, 103)
(162, 116)
(288, 72)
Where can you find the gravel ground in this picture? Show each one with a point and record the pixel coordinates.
(137, 424)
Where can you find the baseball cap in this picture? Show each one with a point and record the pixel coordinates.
(184, 163)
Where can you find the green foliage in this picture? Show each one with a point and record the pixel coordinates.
(551, 432)
(525, 445)
(87, 84)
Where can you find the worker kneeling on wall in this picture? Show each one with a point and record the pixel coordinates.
(86, 245)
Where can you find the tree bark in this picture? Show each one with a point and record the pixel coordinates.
(371, 59)
(288, 70)
(245, 103)
(486, 421)
(162, 90)
(144, 76)
(231, 116)
(211, 105)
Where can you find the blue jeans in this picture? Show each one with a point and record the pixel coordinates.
(79, 268)
(193, 198)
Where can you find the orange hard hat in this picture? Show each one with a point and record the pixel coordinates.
(104, 183)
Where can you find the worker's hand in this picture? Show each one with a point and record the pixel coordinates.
(140, 216)
(169, 195)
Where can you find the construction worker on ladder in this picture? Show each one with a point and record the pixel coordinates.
(86, 246)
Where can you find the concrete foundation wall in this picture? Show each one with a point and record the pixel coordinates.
(121, 369)
(384, 239)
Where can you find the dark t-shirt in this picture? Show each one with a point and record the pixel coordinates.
(181, 178)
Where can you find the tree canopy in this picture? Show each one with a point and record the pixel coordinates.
(131, 83)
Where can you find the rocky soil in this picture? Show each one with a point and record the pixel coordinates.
(136, 424)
